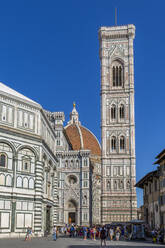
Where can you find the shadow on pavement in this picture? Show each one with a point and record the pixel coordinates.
(122, 246)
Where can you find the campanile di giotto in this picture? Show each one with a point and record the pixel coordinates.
(118, 199)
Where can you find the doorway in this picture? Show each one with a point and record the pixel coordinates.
(72, 217)
(48, 225)
(72, 212)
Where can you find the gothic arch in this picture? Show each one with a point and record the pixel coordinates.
(113, 143)
(113, 112)
(122, 142)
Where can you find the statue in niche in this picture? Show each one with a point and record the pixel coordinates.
(84, 199)
(66, 164)
(115, 184)
(128, 184)
(108, 185)
(121, 184)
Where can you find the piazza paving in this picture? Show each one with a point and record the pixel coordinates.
(66, 242)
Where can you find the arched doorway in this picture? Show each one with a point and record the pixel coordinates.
(72, 212)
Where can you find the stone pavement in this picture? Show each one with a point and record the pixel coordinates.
(66, 242)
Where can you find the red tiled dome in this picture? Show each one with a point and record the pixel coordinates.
(81, 138)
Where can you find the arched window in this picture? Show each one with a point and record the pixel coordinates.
(122, 143)
(121, 112)
(8, 180)
(2, 179)
(25, 183)
(19, 182)
(3, 160)
(31, 183)
(26, 164)
(85, 162)
(113, 112)
(117, 74)
(113, 143)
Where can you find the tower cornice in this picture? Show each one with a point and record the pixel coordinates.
(117, 32)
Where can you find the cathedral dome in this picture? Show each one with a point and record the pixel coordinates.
(80, 137)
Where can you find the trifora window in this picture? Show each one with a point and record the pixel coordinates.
(117, 74)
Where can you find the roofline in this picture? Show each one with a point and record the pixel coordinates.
(160, 160)
(21, 98)
(159, 155)
(141, 182)
(93, 135)
(67, 138)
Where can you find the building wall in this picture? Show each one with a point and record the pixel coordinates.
(151, 195)
(25, 144)
(118, 165)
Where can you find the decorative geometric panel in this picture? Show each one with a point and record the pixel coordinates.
(20, 220)
(28, 220)
(5, 220)
(7, 205)
(1, 204)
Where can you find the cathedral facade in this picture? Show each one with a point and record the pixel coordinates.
(117, 124)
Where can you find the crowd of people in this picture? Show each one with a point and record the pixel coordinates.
(96, 232)
(107, 232)
(157, 235)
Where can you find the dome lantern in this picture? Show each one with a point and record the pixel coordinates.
(74, 116)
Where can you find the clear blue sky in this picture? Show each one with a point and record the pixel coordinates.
(49, 51)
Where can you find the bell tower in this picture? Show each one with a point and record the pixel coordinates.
(118, 200)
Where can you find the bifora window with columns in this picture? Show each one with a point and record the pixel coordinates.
(117, 74)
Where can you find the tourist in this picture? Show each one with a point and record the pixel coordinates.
(94, 233)
(103, 236)
(72, 231)
(91, 233)
(65, 230)
(117, 233)
(111, 233)
(54, 233)
(85, 232)
(28, 234)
